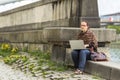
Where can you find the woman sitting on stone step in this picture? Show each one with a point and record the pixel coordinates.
(80, 56)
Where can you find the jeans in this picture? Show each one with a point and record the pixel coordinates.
(79, 58)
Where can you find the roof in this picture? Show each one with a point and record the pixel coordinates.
(114, 14)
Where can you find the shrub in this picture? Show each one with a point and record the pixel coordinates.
(14, 50)
(114, 27)
(13, 58)
(5, 47)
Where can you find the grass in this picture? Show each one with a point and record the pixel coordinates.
(96, 76)
(4, 53)
(44, 59)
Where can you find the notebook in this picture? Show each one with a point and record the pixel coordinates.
(77, 44)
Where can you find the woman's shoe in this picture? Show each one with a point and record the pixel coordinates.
(78, 71)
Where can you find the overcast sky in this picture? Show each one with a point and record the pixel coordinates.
(108, 6)
(105, 6)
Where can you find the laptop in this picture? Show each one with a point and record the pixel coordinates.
(77, 44)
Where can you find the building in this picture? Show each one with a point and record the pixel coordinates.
(110, 19)
(115, 17)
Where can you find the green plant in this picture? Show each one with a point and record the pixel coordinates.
(44, 58)
(24, 49)
(6, 50)
(31, 66)
(13, 58)
(4, 53)
(96, 76)
(5, 47)
(14, 50)
(114, 27)
(60, 67)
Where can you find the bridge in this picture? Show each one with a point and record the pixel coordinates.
(111, 19)
(104, 23)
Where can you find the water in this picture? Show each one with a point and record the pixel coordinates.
(115, 54)
(115, 51)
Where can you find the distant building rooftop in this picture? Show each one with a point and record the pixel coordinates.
(114, 14)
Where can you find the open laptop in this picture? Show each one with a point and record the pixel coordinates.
(77, 44)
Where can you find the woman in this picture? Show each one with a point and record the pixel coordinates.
(80, 56)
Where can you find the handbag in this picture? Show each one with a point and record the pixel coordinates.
(98, 56)
(95, 55)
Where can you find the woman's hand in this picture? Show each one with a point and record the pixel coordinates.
(86, 45)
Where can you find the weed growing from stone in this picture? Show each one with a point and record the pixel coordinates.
(45, 62)
(96, 76)
(38, 60)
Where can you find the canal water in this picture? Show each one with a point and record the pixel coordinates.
(114, 51)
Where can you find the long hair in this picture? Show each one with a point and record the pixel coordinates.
(92, 45)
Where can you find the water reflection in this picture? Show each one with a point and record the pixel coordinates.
(115, 54)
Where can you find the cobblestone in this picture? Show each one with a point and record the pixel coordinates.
(8, 73)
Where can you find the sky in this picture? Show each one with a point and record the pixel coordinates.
(104, 6)
(16, 4)
(108, 6)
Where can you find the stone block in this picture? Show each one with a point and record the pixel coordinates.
(115, 74)
(60, 33)
(65, 34)
(41, 13)
(16, 36)
(104, 35)
(31, 36)
(40, 47)
(68, 57)
(32, 47)
(107, 70)
(4, 37)
(97, 69)
(58, 54)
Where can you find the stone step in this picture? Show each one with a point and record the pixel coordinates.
(106, 69)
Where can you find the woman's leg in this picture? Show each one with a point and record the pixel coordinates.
(75, 57)
(83, 56)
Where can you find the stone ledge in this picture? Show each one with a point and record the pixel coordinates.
(36, 26)
(107, 70)
(54, 34)
(67, 33)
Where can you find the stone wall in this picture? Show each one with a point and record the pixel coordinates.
(48, 25)
(53, 39)
(52, 13)
(54, 34)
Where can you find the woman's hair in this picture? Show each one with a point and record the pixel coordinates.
(85, 22)
(92, 45)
